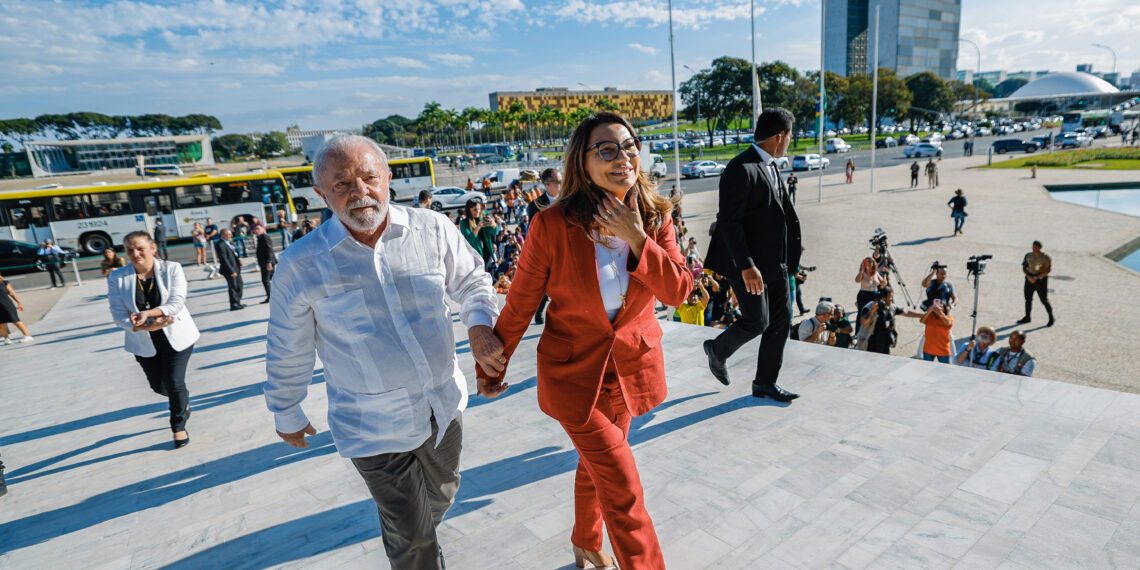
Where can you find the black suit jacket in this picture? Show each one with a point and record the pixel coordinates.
(265, 250)
(755, 225)
(160, 234)
(228, 263)
(537, 205)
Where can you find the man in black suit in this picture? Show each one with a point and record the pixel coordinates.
(756, 245)
(160, 238)
(552, 180)
(230, 267)
(266, 259)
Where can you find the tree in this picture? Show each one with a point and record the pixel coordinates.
(19, 130)
(275, 142)
(894, 96)
(604, 104)
(725, 92)
(777, 84)
(854, 107)
(932, 96)
(229, 147)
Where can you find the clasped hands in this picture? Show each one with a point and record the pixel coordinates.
(140, 321)
(488, 352)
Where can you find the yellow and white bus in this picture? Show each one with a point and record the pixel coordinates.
(94, 217)
(409, 176)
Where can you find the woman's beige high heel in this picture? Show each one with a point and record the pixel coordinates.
(597, 559)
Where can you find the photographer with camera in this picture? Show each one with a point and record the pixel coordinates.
(980, 351)
(841, 328)
(937, 344)
(818, 329)
(1014, 359)
(937, 287)
(877, 322)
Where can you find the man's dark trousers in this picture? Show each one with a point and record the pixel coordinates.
(1041, 287)
(230, 268)
(412, 491)
(769, 315)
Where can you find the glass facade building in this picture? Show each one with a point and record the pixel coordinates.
(914, 36)
(47, 158)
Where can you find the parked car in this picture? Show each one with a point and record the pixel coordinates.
(701, 169)
(782, 163)
(809, 162)
(922, 150)
(984, 131)
(836, 145)
(1042, 142)
(1072, 140)
(909, 139)
(20, 257)
(886, 142)
(451, 197)
(933, 138)
(1002, 146)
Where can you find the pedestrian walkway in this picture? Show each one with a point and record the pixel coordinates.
(883, 462)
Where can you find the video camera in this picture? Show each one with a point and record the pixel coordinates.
(936, 266)
(879, 239)
(976, 265)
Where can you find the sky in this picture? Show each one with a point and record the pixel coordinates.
(323, 64)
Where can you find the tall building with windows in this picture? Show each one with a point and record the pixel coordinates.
(914, 36)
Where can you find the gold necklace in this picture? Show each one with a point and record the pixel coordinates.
(622, 288)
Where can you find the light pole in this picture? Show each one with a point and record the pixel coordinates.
(755, 86)
(698, 96)
(979, 72)
(676, 135)
(1113, 52)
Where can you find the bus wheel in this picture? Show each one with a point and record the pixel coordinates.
(95, 243)
(301, 204)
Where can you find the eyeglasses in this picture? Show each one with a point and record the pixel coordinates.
(609, 150)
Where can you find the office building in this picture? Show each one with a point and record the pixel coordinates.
(633, 104)
(914, 36)
(47, 158)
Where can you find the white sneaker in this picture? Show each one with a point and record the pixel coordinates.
(7, 340)
(28, 339)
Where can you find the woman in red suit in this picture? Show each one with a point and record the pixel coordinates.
(602, 252)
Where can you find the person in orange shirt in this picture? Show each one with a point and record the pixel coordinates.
(470, 185)
(486, 185)
(603, 252)
(938, 324)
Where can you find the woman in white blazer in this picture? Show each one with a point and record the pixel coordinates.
(148, 300)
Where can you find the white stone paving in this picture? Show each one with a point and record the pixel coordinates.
(883, 463)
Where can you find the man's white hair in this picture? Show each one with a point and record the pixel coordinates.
(337, 146)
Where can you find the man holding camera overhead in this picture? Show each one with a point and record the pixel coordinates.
(937, 287)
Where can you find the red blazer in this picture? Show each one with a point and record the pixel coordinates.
(558, 259)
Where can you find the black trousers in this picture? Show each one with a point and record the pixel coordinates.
(861, 300)
(162, 250)
(767, 315)
(799, 298)
(541, 307)
(413, 490)
(914, 180)
(234, 284)
(1041, 287)
(53, 270)
(166, 374)
(266, 278)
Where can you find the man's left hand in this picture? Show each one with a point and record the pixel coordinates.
(487, 350)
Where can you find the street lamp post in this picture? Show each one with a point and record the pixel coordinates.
(698, 96)
(676, 135)
(1113, 52)
(979, 72)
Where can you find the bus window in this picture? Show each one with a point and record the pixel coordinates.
(193, 196)
(269, 191)
(409, 170)
(232, 193)
(71, 207)
(111, 203)
(303, 179)
(19, 217)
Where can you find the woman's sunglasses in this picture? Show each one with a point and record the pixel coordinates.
(609, 150)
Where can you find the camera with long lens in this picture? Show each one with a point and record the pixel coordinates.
(976, 265)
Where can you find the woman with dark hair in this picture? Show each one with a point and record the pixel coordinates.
(479, 229)
(148, 301)
(602, 252)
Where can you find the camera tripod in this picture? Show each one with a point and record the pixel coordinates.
(884, 253)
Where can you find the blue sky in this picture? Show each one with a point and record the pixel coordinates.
(260, 66)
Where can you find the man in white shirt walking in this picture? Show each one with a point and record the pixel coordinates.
(365, 291)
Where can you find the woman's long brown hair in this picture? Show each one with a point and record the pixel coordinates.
(580, 198)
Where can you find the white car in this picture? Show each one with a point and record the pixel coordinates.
(922, 150)
(809, 162)
(701, 169)
(836, 145)
(783, 163)
(451, 197)
(908, 139)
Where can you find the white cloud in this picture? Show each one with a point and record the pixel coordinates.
(640, 13)
(452, 59)
(643, 49)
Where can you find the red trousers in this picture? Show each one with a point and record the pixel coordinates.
(607, 487)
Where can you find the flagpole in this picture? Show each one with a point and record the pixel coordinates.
(822, 93)
(676, 135)
(756, 105)
(874, 98)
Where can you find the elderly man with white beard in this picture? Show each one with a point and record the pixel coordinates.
(366, 291)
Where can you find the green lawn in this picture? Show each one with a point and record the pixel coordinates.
(1092, 159)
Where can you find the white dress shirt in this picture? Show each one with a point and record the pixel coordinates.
(379, 321)
(613, 276)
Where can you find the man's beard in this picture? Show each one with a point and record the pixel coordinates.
(367, 220)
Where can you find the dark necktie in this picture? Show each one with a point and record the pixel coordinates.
(780, 192)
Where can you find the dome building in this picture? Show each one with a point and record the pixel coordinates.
(1054, 93)
(1065, 83)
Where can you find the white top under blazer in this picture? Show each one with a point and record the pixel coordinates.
(121, 284)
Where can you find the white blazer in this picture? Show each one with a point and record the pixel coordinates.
(121, 284)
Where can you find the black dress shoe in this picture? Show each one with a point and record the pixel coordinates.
(1051, 321)
(180, 443)
(265, 301)
(773, 391)
(538, 319)
(1023, 320)
(716, 365)
(237, 307)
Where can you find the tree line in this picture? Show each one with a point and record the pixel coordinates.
(88, 125)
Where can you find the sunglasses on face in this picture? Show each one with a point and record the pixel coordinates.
(609, 150)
